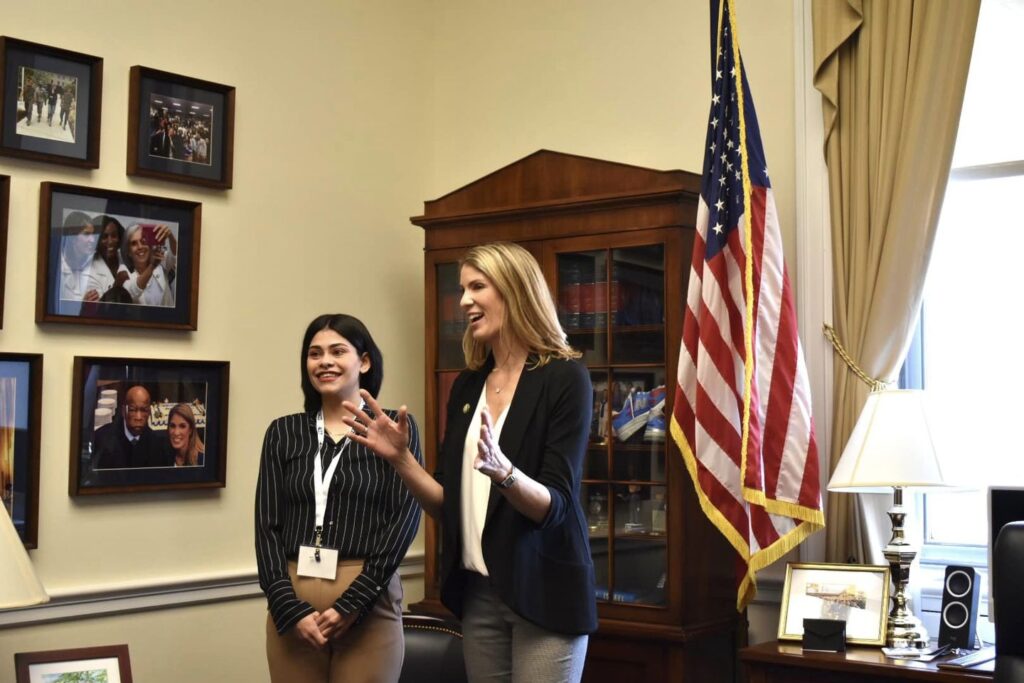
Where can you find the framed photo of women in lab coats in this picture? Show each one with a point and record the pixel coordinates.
(117, 258)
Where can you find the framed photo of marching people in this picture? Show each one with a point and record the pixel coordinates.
(147, 425)
(117, 258)
(180, 128)
(51, 103)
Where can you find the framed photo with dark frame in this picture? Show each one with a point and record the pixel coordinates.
(117, 258)
(51, 103)
(107, 663)
(5, 204)
(857, 594)
(180, 128)
(148, 425)
(21, 400)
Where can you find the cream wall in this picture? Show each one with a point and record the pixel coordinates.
(331, 152)
(624, 81)
(349, 114)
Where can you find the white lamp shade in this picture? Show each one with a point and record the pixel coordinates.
(891, 445)
(19, 586)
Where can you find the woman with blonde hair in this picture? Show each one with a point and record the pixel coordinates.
(515, 563)
(187, 447)
(149, 264)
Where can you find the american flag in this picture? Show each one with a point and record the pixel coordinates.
(742, 412)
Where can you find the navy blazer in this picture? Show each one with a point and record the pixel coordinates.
(543, 572)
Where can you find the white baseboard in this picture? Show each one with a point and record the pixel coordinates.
(91, 604)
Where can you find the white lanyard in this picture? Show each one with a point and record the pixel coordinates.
(322, 484)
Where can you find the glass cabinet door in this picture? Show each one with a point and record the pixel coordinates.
(611, 305)
(451, 321)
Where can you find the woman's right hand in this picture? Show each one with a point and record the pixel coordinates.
(308, 631)
(386, 437)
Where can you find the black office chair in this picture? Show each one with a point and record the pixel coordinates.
(433, 651)
(1007, 561)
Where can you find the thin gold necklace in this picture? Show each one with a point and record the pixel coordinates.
(507, 369)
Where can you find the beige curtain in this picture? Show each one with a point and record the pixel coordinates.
(892, 76)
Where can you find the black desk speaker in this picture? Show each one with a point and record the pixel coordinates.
(958, 620)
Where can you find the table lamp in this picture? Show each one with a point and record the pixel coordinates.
(19, 586)
(891, 448)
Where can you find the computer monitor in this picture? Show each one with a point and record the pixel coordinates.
(1005, 505)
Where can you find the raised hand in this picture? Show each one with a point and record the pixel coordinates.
(386, 437)
(490, 461)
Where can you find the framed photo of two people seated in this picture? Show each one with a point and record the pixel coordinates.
(148, 425)
(117, 258)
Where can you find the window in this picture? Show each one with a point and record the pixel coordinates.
(967, 353)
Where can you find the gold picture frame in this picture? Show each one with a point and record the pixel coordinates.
(855, 593)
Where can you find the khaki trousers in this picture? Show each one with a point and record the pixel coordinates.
(369, 652)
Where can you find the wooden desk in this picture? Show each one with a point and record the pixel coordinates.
(777, 662)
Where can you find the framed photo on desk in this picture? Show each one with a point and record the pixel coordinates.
(856, 594)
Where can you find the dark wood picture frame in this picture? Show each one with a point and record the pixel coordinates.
(157, 104)
(5, 205)
(104, 397)
(71, 77)
(72, 661)
(74, 286)
(21, 396)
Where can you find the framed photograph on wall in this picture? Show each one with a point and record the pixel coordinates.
(5, 204)
(856, 594)
(21, 400)
(180, 128)
(106, 663)
(51, 103)
(116, 258)
(148, 425)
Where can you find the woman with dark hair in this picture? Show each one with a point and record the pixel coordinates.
(515, 554)
(149, 264)
(186, 446)
(333, 521)
(106, 270)
(77, 247)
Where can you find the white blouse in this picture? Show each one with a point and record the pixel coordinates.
(476, 490)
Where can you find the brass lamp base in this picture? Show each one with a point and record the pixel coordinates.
(904, 635)
(903, 629)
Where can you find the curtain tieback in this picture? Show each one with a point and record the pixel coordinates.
(875, 384)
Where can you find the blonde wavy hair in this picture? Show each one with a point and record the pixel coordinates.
(530, 318)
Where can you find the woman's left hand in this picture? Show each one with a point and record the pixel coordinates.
(490, 461)
(333, 624)
(163, 233)
(386, 437)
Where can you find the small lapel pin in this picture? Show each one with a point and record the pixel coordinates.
(465, 409)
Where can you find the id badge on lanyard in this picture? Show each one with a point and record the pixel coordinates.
(317, 561)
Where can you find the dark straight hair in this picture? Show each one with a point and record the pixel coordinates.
(356, 333)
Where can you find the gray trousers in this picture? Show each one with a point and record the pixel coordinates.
(499, 645)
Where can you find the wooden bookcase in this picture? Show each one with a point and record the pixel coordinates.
(615, 242)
